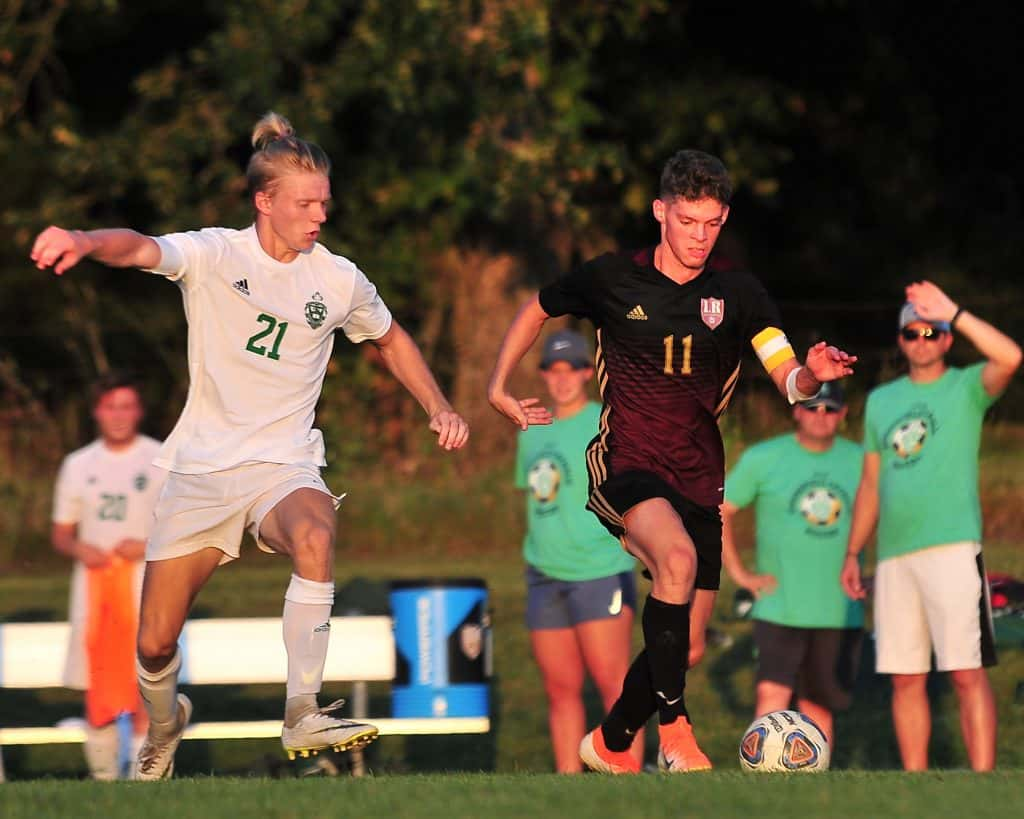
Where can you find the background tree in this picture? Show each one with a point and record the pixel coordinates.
(480, 147)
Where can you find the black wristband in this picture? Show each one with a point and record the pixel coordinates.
(956, 315)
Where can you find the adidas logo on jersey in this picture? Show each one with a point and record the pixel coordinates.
(637, 313)
(242, 286)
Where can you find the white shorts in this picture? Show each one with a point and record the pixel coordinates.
(934, 599)
(196, 512)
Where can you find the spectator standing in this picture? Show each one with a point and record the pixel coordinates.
(920, 484)
(581, 593)
(807, 632)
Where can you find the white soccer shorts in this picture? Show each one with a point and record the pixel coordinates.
(933, 599)
(196, 512)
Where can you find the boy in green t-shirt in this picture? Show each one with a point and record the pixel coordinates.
(920, 484)
(807, 631)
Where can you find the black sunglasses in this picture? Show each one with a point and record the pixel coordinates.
(927, 333)
(830, 410)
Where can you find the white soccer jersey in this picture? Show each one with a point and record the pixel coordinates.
(109, 496)
(259, 340)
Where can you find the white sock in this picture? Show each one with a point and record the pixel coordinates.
(136, 746)
(159, 690)
(306, 624)
(101, 751)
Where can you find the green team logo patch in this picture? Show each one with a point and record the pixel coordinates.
(316, 310)
(140, 482)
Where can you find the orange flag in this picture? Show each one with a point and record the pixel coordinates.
(111, 628)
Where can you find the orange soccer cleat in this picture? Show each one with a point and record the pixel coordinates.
(596, 756)
(679, 752)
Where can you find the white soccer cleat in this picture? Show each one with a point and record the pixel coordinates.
(156, 757)
(319, 730)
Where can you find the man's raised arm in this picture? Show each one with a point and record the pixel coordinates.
(117, 247)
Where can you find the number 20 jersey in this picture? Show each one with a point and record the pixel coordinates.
(260, 334)
(668, 359)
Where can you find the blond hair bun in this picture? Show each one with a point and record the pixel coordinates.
(271, 127)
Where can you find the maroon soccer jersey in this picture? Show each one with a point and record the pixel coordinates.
(668, 358)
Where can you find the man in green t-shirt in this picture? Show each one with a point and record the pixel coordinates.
(807, 631)
(920, 485)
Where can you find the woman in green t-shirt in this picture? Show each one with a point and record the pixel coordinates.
(581, 594)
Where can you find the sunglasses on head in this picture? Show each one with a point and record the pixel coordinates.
(927, 333)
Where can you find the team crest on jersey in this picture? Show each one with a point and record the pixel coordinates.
(140, 482)
(316, 310)
(712, 311)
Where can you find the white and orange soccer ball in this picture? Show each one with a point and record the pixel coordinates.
(784, 741)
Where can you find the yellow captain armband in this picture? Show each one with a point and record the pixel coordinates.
(772, 347)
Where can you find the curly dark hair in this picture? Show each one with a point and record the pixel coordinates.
(694, 175)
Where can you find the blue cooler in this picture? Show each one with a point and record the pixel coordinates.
(442, 648)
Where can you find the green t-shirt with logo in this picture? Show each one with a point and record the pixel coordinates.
(928, 437)
(803, 501)
(563, 539)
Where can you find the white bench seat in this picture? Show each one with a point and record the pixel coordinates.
(226, 651)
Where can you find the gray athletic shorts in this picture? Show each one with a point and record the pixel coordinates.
(552, 603)
(820, 664)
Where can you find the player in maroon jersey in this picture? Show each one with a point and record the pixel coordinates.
(670, 334)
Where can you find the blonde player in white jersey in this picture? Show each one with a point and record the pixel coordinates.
(262, 306)
(102, 515)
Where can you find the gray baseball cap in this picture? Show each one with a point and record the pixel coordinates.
(908, 315)
(830, 395)
(568, 346)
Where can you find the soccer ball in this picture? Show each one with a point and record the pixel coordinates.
(785, 741)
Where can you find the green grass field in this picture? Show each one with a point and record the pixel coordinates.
(504, 773)
(719, 794)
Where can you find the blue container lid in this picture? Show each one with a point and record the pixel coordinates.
(440, 583)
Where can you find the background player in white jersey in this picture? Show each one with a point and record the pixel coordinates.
(102, 515)
(262, 306)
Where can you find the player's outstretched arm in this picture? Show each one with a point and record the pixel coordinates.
(117, 247)
(1003, 354)
(823, 363)
(862, 524)
(523, 331)
(405, 361)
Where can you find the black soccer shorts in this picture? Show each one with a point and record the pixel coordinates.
(612, 499)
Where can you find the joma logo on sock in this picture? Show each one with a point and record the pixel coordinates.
(322, 627)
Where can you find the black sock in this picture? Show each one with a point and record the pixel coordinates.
(666, 629)
(633, 708)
